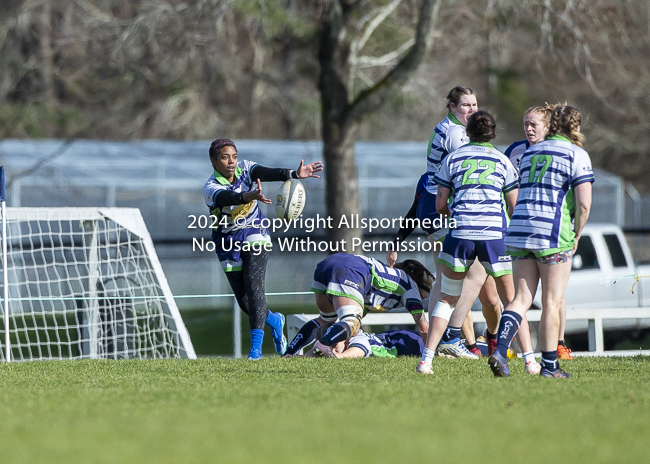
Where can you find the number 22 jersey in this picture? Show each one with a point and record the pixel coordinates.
(478, 174)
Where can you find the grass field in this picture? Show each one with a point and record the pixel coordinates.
(321, 411)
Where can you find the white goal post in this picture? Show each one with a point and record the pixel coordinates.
(85, 283)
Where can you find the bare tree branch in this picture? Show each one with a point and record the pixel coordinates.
(386, 59)
(357, 45)
(372, 98)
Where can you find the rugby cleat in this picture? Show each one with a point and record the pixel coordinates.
(455, 350)
(563, 352)
(255, 355)
(532, 367)
(323, 350)
(492, 344)
(279, 340)
(554, 374)
(424, 368)
(499, 365)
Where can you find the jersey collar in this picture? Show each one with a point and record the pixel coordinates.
(482, 144)
(222, 180)
(559, 137)
(454, 119)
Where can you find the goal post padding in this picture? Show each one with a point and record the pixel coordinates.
(87, 283)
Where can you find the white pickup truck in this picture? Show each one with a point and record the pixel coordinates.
(601, 282)
(603, 270)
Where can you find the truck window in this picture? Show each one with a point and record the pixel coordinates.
(615, 250)
(585, 257)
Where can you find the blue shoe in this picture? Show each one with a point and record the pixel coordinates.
(499, 365)
(279, 340)
(554, 374)
(255, 355)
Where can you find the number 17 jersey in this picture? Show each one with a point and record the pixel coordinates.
(478, 175)
(543, 217)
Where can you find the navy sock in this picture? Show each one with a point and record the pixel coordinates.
(451, 334)
(549, 360)
(508, 327)
(304, 337)
(257, 336)
(339, 332)
(273, 320)
(561, 342)
(490, 336)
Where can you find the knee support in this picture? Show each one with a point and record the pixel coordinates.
(351, 315)
(328, 317)
(443, 310)
(451, 287)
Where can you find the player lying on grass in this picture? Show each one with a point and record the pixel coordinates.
(552, 208)
(231, 194)
(346, 284)
(382, 345)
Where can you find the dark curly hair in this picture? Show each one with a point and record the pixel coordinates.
(218, 144)
(481, 127)
(416, 271)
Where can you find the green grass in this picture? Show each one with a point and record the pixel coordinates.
(321, 411)
(211, 330)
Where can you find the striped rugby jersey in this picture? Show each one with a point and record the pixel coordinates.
(515, 151)
(391, 288)
(242, 183)
(543, 217)
(478, 174)
(361, 341)
(448, 135)
(388, 344)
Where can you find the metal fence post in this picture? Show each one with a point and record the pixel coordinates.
(236, 328)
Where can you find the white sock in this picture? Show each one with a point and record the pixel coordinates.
(529, 356)
(427, 355)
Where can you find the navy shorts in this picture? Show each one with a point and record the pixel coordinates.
(459, 254)
(342, 274)
(228, 247)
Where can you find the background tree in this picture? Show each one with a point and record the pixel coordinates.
(181, 69)
(341, 40)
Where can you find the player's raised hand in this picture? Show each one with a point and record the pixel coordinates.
(256, 195)
(391, 258)
(309, 170)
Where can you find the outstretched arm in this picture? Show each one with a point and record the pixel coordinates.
(256, 194)
(309, 170)
(280, 174)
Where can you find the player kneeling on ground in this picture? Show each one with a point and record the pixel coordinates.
(344, 284)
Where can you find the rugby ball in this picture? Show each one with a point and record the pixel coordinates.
(290, 200)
